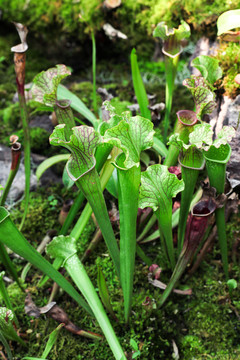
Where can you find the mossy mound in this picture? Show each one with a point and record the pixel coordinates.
(229, 60)
(203, 325)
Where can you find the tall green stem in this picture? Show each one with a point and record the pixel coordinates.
(216, 162)
(170, 73)
(164, 216)
(91, 188)
(19, 61)
(4, 257)
(16, 153)
(94, 71)
(27, 154)
(128, 192)
(101, 156)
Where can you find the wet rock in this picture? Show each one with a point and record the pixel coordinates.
(42, 121)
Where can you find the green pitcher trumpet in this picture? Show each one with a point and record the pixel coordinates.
(191, 161)
(216, 162)
(172, 48)
(186, 119)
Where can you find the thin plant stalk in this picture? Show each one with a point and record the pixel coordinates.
(4, 257)
(94, 71)
(143, 256)
(20, 63)
(27, 152)
(16, 157)
(170, 73)
(148, 227)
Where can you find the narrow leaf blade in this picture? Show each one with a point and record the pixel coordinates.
(139, 87)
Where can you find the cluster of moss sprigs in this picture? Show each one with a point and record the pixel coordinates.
(203, 325)
(42, 214)
(229, 60)
(134, 17)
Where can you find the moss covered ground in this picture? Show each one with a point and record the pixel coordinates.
(203, 325)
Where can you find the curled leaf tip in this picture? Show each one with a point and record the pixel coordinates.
(82, 145)
(45, 84)
(62, 247)
(22, 31)
(172, 37)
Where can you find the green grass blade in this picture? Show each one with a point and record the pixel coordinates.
(94, 71)
(27, 154)
(103, 292)
(139, 88)
(50, 162)
(159, 146)
(91, 188)
(6, 298)
(7, 347)
(8, 264)
(170, 72)
(51, 341)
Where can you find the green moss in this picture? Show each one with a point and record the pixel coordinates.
(229, 60)
(39, 139)
(42, 215)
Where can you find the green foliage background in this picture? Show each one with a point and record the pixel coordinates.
(78, 16)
